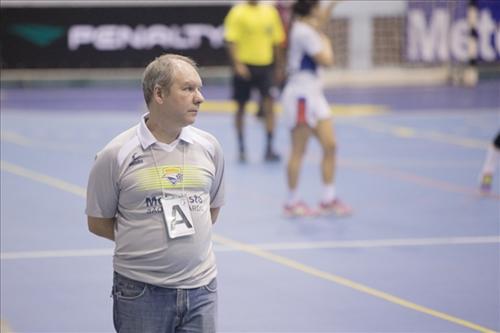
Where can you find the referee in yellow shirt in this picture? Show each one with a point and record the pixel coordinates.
(254, 34)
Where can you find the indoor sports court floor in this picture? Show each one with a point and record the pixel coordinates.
(420, 254)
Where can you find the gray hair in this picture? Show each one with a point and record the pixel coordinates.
(161, 72)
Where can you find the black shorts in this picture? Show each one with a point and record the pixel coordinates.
(496, 141)
(261, 78)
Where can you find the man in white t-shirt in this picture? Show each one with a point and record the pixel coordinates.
(155, 190)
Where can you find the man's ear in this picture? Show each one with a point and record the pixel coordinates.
(158, 94)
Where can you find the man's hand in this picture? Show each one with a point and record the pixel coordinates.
(242, 70)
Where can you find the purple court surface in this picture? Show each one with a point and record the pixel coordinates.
(421, 253)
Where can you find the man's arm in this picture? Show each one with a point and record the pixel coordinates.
(102, 227)
(214, 212)
(238, 67)
(279, 64)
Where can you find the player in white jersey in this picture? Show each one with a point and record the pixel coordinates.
(306, 108)
(155, 190)
(490, 165)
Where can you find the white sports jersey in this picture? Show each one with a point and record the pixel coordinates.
(303, 99)
(128, 179)
(303, 43)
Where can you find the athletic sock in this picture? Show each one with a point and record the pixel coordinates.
(269, 141)
(293, 197)
(328, 193)
(491, 161)
(241, 143)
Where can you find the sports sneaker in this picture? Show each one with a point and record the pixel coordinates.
(335, 207)
(260, 114)
(299, 209)
(242, 157)
(486, 182)
(271, 156)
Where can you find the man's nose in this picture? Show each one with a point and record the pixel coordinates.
(199, 97)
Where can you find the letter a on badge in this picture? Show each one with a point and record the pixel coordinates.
(177, 217)
(177, 212)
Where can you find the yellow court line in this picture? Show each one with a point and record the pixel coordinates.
(355, 110)
(408, 132)
(16, 138)
(74, 189)
(42, 178)
(21, 140)
(223, 106)
(419, 180)
(347, 283)
(4, 327)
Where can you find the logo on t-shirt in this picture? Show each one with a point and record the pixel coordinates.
(172, 174)
(136, 160)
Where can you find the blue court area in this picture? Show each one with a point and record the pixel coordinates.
(420, 254)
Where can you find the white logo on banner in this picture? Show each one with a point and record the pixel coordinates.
(111, 37)
(442, 39)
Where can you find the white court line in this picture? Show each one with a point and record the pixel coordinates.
(275, 246)
(56, 254)
(379, 243)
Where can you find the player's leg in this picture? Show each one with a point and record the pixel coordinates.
(263, 81)
(294, 206)
(241, 94)
(490, 164)
(324, 131)
(295, 109)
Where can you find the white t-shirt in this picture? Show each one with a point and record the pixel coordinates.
(130, 176)
(304, 42)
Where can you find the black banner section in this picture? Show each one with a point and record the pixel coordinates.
(110, 37)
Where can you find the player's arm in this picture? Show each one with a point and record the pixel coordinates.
(279, 64)
(239, 68)
(325, 56)
(232, 37)
(103, 227)
(214, 212)
(326, 12)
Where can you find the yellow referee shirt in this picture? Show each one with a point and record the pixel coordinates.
(255, 30)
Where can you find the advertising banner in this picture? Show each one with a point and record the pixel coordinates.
(438, 31)
(110, 37)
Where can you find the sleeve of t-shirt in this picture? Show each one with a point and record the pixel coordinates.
(311, 41)
(102, 188)
(278, 31)
(218, 188)
(231, 30)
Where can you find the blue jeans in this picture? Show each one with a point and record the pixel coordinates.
(139, 307)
